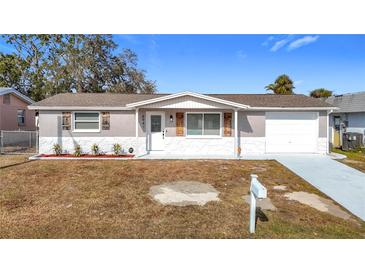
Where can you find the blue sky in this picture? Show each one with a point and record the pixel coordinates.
(247, 63)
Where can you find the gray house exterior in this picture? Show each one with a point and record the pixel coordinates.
(349, 117)
(185, 123)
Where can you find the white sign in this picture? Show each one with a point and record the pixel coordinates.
(257, 190)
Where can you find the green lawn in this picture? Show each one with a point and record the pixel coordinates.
(355, 159)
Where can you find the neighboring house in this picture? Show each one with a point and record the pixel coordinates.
(14, 112)
(185, 123)
(349, 117)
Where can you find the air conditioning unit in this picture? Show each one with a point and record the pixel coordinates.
(352, 141)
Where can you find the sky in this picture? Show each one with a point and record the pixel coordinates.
(247, 63)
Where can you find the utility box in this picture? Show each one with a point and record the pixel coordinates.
(352, 141)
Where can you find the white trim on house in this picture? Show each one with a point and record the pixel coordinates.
(292, 108)
(187, 93)
(85, 121)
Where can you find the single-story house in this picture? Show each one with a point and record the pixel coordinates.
(349, 117)
(14, 112)
(185, 123)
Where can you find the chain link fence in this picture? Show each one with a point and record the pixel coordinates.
(18, 142)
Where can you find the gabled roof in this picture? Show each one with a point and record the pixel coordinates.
(350, 102)
(130, 101)
(21, 96)
(187, 93)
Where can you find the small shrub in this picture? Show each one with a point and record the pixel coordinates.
(77, 152)
(57, 149)
(117, 149)
(95, 149)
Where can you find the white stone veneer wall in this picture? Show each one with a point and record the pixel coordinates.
(322, 145)
(173, 145)
(253, 145)
(105, 144)
(199, 146)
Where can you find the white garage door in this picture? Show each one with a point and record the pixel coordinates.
(291, 132)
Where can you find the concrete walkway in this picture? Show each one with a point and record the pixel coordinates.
(342, 183)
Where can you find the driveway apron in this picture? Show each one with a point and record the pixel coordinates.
(342, 183)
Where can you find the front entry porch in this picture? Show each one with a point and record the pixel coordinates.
(190, 134)
(188, 124)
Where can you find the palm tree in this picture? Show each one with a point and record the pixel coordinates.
(321, 93)
(282, 85)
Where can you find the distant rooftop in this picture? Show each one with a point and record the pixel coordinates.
(349, 102)
(7, 90)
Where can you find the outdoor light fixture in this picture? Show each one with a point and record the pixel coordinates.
(171, 118)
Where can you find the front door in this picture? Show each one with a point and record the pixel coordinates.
(156, 130)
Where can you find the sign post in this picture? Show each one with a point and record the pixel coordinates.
(257, 191)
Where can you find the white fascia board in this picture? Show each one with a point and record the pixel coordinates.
(76, 108)
(187, 93)
(291, 108)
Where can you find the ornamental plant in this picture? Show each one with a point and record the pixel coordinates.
(95, 149)
(117, 149)
(77, 152)
(57, 149)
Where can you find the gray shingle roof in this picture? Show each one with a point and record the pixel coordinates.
(350, 102)
(121, 100)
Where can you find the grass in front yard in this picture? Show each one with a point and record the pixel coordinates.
(109, 199)
(11, 160)
(355, 159)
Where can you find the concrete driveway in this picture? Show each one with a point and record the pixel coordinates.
(342, 183)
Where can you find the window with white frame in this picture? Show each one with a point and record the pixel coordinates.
(86, 121)
(21, 117)
(203, 124)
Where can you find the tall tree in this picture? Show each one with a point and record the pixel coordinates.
(282, 85)
(11, 71)
(321, 93)
(77, 63)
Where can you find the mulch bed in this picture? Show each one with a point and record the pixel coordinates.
(86, 156)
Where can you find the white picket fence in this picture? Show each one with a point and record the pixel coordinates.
(18, 142)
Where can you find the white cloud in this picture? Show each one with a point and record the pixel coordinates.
(279, 44)
(302, 42)
(267, 41)
(241, 55)
(298, 82)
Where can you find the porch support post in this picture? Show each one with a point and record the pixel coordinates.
(137, 142)
(236, 141)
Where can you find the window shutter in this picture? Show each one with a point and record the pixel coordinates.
(179, 124)
(105, 120)
(227, 124)
(66, 120)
